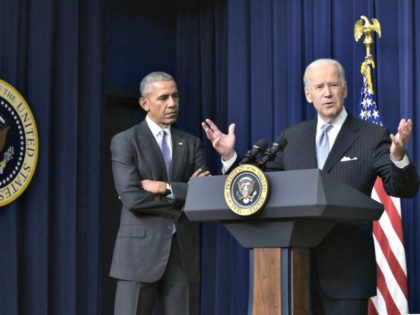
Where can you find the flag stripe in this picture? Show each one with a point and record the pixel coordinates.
(394, 266)
(391, 298)
(387, 238)
(392, 301)
(391, 247)
(377, 305)
(394, 241)
(372, 307)
(391, 308)
(390, 208)
(391, 268)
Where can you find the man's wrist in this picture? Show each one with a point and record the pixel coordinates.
(227, 157)
(168, 189)
(227, 164)
(401, 163)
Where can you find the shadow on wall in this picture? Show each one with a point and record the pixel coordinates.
(122, 112)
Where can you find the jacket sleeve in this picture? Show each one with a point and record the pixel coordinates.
(127, 180)
(403, 183)
(180, 188)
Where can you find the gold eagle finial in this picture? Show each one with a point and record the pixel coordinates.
(363, 26)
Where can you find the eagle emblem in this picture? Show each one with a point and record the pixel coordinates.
(246, 192)
(18, 144)
(363, 26)
(8, 155)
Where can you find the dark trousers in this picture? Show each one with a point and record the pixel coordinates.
(327, 306)
(174, 294)
(321, 304)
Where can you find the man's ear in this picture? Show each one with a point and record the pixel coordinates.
(308, 95)
(144, 103)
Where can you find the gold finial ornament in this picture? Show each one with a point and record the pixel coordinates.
(363, 26)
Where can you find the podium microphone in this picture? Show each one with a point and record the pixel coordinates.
(259, 146)
(270, 153)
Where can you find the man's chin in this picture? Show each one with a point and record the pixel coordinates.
(171, 120)
(331, 114)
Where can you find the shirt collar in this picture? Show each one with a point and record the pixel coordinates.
(154, 127)
(337, 122)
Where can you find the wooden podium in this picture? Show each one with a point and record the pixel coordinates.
(303, 207)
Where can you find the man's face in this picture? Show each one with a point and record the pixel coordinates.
(326, 90)
(161, 103)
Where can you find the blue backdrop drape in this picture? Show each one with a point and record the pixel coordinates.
(50, 50)
(242, 61)
(236, 61)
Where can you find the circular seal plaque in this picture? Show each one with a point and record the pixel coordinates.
(246, 190)
(18, 144)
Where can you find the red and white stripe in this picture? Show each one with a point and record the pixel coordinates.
(392, 290)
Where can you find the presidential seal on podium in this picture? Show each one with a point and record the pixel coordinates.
(246, 190)
(18, 144)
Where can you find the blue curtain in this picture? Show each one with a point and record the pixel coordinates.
(242, 61)
(50, 50)
(236, 61)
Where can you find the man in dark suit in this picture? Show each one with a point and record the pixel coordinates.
(343, 274)
(156, 253)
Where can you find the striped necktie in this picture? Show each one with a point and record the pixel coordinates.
(166, 153)
(323, 146)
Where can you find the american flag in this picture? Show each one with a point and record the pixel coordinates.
(391, 270)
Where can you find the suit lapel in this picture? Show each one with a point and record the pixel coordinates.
(178, 152)
(307, 141)
(148, 144)
(346, 137)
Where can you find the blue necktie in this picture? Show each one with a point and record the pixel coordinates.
(323, 146)
(166, 153)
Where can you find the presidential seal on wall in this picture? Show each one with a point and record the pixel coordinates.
(18, 144)
(246, 190)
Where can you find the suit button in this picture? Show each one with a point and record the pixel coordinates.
(170, 227)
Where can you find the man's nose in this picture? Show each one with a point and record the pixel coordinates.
(327, 90)
(172, 101)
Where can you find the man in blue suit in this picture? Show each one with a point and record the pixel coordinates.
(343, 274)
(156, 254)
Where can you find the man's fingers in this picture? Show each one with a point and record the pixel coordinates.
(403, 133)
(215, 141)
(210, 129)
(211, 125)
(231, 129)
(195, 173)
(200, 172)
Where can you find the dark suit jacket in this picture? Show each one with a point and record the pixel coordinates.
(144, 238)
(345, 260)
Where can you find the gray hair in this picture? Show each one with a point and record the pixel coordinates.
(324, 61)
(148, 80)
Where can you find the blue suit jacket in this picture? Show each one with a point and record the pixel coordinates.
(345, 259)
(144, 238)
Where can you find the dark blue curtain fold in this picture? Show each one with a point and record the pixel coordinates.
(269, 43)
(49, 238)
(236, 61)
(201, 72)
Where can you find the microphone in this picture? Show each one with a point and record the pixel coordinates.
(256, 149)
(270, 153)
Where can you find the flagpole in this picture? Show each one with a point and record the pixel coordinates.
(392, 290)
(365, 28)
